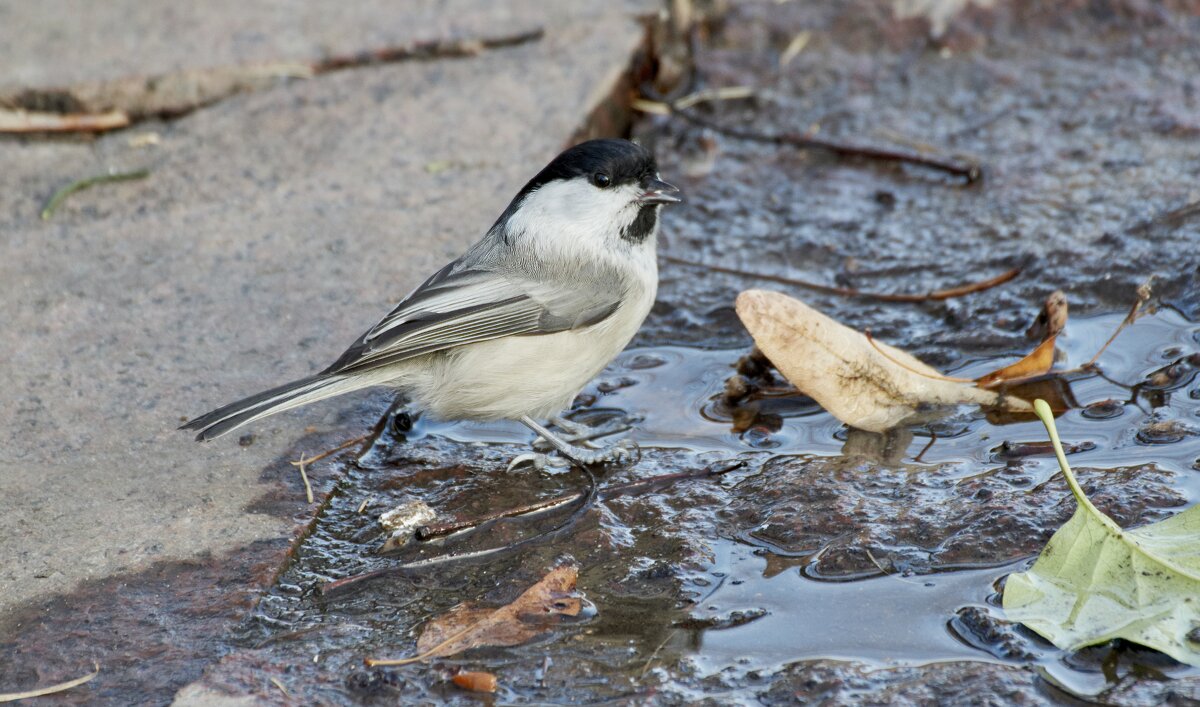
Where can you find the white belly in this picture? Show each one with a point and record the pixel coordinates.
(537, 376)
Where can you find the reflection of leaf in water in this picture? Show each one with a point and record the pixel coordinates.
(1095, 582)
(864, 384)
(937, 12)
(535, 612)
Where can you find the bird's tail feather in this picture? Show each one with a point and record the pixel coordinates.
(285, 397)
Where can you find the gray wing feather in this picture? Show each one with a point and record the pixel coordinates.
(468, 306)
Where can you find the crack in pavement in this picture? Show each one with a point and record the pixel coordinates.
(126, 101)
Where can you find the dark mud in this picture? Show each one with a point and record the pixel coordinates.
(836, 566)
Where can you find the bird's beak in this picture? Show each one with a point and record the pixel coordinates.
(656, 191)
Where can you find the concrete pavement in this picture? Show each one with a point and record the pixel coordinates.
(274, 227)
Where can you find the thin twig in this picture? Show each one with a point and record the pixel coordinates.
(708, 95)
(1143, 295)
(430, 532)
(79, 185)
(304, 475)
(341, 585)
(50, 690)
(935, 295)
(968, 171)
(441, 530)
(646, 667)
(330, 452)
(278, 684)
(21, 122)
(926, 448)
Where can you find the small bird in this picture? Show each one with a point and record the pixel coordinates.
(518, 325)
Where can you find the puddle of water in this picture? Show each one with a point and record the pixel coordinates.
(892, 619)
(720, 579)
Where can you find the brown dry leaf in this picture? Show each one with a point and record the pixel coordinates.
(535, 612)
(869, 386)
(1052, 319)
(1039, 361)
(475, 681)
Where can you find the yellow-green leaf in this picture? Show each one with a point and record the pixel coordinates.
(1095, 582)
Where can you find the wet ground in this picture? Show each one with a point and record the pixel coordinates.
(834, 565)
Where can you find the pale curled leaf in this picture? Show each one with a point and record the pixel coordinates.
(541, 607)
(1095, 582)
(864, 387)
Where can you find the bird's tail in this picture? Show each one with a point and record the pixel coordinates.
(285, 397)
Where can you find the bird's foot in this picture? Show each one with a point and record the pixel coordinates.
(540, 462)
(579, 432)
(621, 452)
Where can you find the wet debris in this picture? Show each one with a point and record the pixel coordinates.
(372, 683)
(403, 521)
(475, 681)
(550, 602)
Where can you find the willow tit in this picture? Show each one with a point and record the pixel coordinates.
(522, 321)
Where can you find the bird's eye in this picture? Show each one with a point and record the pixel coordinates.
(601, 179)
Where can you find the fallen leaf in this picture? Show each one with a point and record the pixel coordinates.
(535, 612)
(1052, 319)
(1038, 362)
(866, 385)
(475, 681)
(1095, 582)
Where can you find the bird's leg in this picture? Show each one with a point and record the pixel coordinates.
(622, 451)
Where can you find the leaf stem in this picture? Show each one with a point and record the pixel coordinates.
(1042, 409)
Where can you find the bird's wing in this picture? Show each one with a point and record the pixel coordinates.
(454, 308)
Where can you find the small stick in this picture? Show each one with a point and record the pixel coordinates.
(968, 171)
(362, 506)
(79, 185)
(335, 450)
(935, 295)
(21, 122)
(304, 475)
(441, 530)
(278, 684)
(1143, 295)
(50, 690)
(926, 448)
(337, 586)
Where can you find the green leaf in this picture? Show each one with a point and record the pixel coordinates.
(1095, 582)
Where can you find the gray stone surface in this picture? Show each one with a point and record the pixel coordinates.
(274, 227)
(54, 43)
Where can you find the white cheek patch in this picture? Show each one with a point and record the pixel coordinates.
(576, 210)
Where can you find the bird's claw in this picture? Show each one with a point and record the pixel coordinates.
(540, 462)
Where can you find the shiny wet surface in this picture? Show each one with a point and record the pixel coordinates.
(843, 551)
